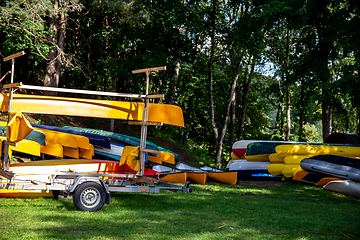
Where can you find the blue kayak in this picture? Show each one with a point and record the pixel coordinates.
(118, 138)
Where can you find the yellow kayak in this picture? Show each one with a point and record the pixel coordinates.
(234, 157)
(275, 158)
(53, 149)
(287, 170)
(257, 158)
(18, 193)
(162, 157)
(224, 177)
(197, 177)
(286, 150)
(71, 152)
(87, 154)
(175, 177)
(295, 159)
(25, 146)
(64, 139)
(275, 168)
(296, 170)
(18, 127)
(163, 113)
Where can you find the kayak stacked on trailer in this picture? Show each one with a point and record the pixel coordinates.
(90, 182)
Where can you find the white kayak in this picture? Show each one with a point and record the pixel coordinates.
(345, 186)
(246, 169)
(239, 147)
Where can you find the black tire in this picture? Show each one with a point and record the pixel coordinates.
(89, 196)
(56, 194)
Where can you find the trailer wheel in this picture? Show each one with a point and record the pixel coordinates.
(56, 194)
(89, 196)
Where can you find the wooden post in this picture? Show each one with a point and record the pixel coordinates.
(12, 57)
(145, 116)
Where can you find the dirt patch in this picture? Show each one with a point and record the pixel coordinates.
(262, 183)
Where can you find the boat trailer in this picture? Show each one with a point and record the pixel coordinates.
(90, 191)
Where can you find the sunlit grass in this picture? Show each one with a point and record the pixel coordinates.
(216, 211)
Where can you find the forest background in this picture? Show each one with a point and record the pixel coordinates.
(263, 69)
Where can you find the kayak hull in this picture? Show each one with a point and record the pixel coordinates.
(336, 166)
(11, 193)
(344, 186)
(197, 177)
(223, 177)
(163, 113)
(180, 177)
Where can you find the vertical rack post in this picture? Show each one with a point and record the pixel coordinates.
(11, 90)
(145, 116)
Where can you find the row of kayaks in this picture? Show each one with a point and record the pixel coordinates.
(34, 171)
(71, 142)
(332, 166)
(184, 172)
(40, 172)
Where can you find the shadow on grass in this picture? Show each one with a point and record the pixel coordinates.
(216, 211)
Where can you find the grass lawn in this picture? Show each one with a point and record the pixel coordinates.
(215, 211)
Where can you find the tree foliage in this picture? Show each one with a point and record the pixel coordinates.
(239, 69)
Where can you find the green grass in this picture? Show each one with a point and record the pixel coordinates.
(216, 211)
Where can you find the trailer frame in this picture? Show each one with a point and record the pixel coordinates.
(90, 191)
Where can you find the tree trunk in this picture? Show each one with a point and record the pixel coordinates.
(232, 121)
(53, 66)
(52, 76)
(231, 100)
(281, 109)
(326, 120)
(211, 82)
(246, 90)
(189, 114)
(288, 120)
(358, 123)
(211, 100)
(175, 80)
(301, 113)
(116, 55)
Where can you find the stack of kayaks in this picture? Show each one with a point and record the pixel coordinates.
(73, 146)
(54, 143)
(258, 155)
(284, 164)
(287, 159)
(82, 143)
(335, 172)
(72, 142)
(260, 151)
(118, 141)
